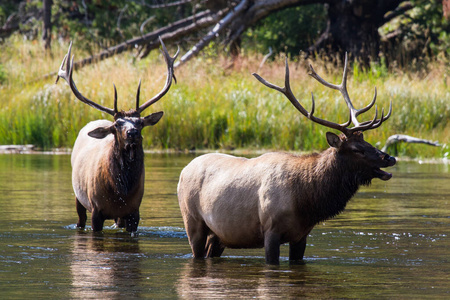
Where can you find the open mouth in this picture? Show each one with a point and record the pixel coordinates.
(131, 150)
(382, 174)
(130, 146)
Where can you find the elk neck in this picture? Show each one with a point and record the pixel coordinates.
(323, 184)
(126, 166)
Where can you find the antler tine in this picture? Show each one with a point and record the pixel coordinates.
(285, 91)
(389, 112)
(115, 99)
(343, 89)
(170, 74)
(363, 110)
(341, 127)
(67, 76)
(380, 121)
(368, 124)
(288, 93)
(340, 87)
(354, 113)
(383, 118)
(316, 76)
(137, 95)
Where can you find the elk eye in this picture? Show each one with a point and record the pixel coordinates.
(358, 151)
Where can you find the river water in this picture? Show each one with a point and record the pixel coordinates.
(392, 241)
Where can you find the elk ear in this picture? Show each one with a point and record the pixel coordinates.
(101, 132)
(153, 118)
(334, 140)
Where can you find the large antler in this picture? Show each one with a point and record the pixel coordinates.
(170, 74)
(354, 113)
(67, 76)
(366, 125)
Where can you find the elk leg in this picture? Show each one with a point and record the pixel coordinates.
(132, 221)
(297, 249)
(120, 222)
(213, 246)
(197, 233)
(97, 220)
(272, 247)
(81, 210)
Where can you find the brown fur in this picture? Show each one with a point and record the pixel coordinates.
(108, 159)
(108, 170)
(273, 199)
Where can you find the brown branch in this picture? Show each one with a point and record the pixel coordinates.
(171, 4)
(11, 25)
(166, 33)
(323, 39)
(259, 10)
(183, 31)
(220, 26)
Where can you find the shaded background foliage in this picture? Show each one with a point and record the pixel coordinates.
(98, 24)
(423, 33)
(287, 31)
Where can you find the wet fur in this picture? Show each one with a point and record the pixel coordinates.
(106, 182)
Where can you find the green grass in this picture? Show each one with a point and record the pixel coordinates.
(215, 105)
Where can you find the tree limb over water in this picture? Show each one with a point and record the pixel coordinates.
(394, 139)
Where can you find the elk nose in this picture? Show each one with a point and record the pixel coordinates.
(132, 133)
(391, 160)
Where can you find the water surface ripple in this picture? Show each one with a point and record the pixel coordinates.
(392, 241)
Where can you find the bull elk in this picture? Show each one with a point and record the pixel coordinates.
(278, 198)
(108, 158)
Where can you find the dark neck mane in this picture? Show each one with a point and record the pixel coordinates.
(126, 168)
(325, 186)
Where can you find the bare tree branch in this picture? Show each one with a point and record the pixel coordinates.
(394, 139)
(265, 58)
(213, 33)
(141, 28)
(236, 20)
(171, 4)
(183, 31)
(11, 25)
(168, 33)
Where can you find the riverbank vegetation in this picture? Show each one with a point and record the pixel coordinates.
(217, 103)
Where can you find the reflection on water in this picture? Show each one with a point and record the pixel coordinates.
(104, 267)
(218, 279)
(391, 241)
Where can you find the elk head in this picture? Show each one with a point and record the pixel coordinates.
(357, 154)
(127, 125)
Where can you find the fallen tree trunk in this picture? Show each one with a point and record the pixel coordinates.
(396, 138)
(16, 148)
(150, 40)
(235, 17)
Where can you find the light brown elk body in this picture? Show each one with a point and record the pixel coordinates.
(277, 198)
(108, 158)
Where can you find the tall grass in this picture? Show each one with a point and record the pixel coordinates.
(216, 103)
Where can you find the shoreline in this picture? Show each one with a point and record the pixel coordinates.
(32, 150)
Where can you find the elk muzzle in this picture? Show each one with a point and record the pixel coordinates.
(133, 134)
(387, 161)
